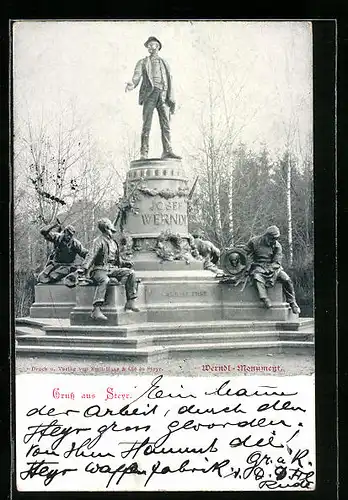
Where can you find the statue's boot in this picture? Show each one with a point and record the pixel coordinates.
(170, 154)
(97, 314)
(266, 303)
(130, 306)
(295, 308)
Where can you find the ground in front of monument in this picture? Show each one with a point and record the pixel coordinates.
(237, 363)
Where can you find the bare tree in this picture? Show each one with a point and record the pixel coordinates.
(292, 142)
(96, 192)
(220, 126)
(53, 156)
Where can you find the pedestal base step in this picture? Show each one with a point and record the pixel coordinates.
(146, 346)
(157, 353)
(39, 322)
(145, 340)
(263, 344)
(114, 318)
(30, 331)
(58, 326)
(144, 354)
(86, 341)
(190, 340)
(227, 337)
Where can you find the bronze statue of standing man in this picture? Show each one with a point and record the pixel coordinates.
(156, 91)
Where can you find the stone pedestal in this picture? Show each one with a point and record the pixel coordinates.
(53, 300)
(162, 198)
(190, 296)
(113, 307)
(180, 290)
(161, 190)
(184, 295)
(245, 305)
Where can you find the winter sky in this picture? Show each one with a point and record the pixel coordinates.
(265, 72)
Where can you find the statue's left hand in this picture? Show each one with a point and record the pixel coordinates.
(172, 109)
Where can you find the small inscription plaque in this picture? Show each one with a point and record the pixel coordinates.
(185, 293)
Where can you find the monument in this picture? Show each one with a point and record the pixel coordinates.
(186, 299)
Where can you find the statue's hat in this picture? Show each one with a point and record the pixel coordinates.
(106, 223)
(70, 229)
(273, 230)
(153, 39)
